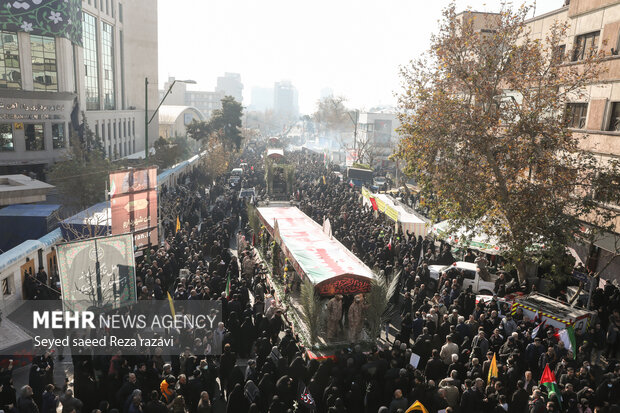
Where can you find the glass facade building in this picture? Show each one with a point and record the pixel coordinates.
(44, 71)
(91, 66)
(10, 74)
(107, 57)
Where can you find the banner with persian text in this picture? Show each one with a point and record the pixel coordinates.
(133, 201)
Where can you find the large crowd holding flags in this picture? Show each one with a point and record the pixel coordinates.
(446, 351)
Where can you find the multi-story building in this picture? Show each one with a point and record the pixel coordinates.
(377, 136)
(91, 56)
(205, 101)
(230, 85)
(285, 100)
(594, 27)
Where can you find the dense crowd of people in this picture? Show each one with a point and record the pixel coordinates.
(264, 367)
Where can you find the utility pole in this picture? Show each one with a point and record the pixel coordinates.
(146, 120)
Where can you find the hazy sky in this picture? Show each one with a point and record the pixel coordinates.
(354, 47)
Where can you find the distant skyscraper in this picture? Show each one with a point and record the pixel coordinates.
(230, 85)
(285, 99)
(262, 99)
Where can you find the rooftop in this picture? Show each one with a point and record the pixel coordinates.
(21, 189)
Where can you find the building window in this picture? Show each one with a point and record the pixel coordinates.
(576, 115)
(58, 135)
(585, 45)
(614, 120)
(6, 137)
(120, 12)
(122, 57)
(91, 66)
(7, 285)
(114, 129)
(34, 137)
(559, 53)
(43, 49)
(103, 130)
(10, 75)
(608, 192)
(107, 55)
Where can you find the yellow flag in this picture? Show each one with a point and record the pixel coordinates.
(178, 225)
(492, 369)
(417, 407)
(171, 305)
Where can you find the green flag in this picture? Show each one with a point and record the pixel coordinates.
(548, 380)
(228, 287)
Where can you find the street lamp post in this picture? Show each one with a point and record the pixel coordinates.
(148, 121)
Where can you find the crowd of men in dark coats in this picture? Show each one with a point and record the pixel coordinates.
(263, 367)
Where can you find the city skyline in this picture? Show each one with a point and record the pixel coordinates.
(278, 40)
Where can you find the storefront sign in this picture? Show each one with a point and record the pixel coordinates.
(31, 108)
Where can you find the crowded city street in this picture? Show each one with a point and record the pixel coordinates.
(232, 206)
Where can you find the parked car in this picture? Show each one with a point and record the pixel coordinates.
(471, 276)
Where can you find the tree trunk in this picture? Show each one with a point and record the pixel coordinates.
(521, 270)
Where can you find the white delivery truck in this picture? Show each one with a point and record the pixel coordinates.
(555, 313)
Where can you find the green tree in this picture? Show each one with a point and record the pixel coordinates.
(168, 152)
(224, 125)
(81, 178)
(199, 130)
(484, 130)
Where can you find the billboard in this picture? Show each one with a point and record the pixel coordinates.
(383, 131)
(97, 272)
(133, 203)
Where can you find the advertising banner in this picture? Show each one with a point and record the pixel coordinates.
(391, 213)
(383, 131)
(133, 201)
(97, 272)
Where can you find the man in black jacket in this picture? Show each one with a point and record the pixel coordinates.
(435, 368)
(519, 399)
